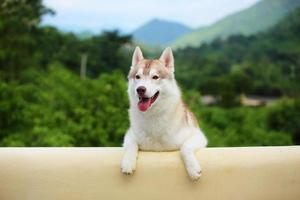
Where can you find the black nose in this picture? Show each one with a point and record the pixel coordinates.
(141, 90)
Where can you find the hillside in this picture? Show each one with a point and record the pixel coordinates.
(257, 18)
(266, 63)
(159, 32)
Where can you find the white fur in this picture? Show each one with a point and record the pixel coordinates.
(160, 128)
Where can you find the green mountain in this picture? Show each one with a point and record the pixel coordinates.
(267, 63)
(159, 32)
(257, 18)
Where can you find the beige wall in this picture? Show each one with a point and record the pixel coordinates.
(94, 173)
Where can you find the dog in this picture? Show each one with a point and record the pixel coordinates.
(159, 119)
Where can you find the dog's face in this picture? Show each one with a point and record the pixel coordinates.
(150, 80)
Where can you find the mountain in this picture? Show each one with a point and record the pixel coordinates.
(159, 32)
(266, 63)
(257, 18)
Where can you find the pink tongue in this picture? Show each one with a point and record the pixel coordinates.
(144, 105)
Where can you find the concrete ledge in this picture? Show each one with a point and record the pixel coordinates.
(94, 173)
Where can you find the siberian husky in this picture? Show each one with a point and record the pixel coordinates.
(159, 119)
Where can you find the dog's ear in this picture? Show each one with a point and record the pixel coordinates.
(137, 56)
(167, 58)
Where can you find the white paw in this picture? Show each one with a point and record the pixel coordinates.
(194, 171)
(128, 166)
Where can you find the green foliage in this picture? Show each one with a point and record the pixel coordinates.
(240, 127)
(106, 52)
(59, 109)
(286, 117)
(18, 26)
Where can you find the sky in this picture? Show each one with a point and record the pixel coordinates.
(127, 15)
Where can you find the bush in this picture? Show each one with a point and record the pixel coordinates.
(59, 109)
(285, 116)
(239, 127)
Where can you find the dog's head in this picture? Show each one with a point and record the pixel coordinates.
(150, 80)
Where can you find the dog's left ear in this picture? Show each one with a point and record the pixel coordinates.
(137, 56)
(167, 58)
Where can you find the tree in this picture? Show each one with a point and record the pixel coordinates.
(19, 20)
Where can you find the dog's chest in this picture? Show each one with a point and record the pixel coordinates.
(158, 134)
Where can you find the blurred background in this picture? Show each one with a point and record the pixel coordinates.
(63, 68)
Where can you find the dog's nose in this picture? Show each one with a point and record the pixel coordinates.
(141, 90)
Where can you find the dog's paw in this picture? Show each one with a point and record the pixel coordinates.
(128, 166)
(194, 172)
(194, 175)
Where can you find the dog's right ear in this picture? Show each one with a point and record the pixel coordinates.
(137, 56)
(168, 59)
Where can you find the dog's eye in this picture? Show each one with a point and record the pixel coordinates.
(155, 77)
(137, 77)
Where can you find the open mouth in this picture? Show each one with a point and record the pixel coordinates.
(145, 102)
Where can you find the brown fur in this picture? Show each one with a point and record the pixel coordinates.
(189, 116)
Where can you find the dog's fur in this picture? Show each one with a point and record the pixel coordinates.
(167, 124)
